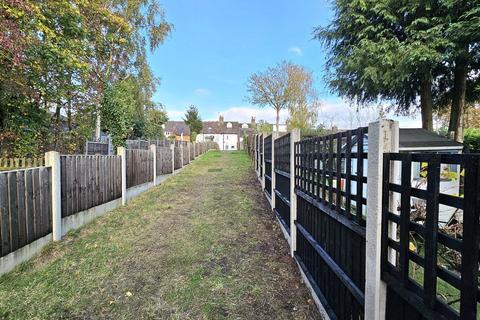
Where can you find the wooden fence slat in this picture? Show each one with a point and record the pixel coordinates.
(37, 218)
(22, 228)
(29, 206)
(4, 216)
(13, 210)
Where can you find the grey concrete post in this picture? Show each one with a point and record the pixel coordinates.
(194, 154)
(153, 150)
(172, 147)
(52, 160)
(181, 153)
(272, 189)
(189, 152)
(294, 137)
(382, 137)
(123, 155)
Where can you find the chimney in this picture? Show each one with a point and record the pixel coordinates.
(220, 119)
(334, 129)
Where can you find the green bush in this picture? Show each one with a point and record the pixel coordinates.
(472, 139)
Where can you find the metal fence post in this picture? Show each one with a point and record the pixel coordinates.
(123, 155)
(153, 149)
(383, 136)
(52, 160)
(294, 137)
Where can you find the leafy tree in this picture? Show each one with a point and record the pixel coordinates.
(193, 121)
(264, 127)
(118, 109)
(156, 118)
(460, 76)
(472, 139)
(388, 50)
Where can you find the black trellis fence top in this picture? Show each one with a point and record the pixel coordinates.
(332, 170)
(439, 275)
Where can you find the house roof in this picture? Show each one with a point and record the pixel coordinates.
(421, 139)
(219, 127)
(177, 128)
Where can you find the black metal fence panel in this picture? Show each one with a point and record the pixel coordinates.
(268, 165)
(430, 235)
(330, 184)
(25, 207)
(282, 180)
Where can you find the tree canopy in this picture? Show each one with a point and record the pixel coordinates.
(58, 61)
(285, 86)
(402, 52)
(193, 121)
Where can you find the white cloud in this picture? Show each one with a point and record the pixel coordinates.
(345, 116)
(202, 92)
(295, 50)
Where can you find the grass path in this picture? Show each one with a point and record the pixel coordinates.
(203, 245)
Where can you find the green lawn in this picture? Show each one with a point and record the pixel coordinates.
(204, 245)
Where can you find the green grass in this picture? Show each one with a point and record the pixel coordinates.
(201, 246)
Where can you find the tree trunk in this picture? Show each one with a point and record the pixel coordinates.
(97, 125)
(458, 100)
(426, 104)
(277, 120)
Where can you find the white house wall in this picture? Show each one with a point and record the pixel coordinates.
(225, 141)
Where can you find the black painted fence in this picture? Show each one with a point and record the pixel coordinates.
(438, 277)
(268, 165)
(282, 180)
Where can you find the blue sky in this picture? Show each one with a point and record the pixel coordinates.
(217, 44)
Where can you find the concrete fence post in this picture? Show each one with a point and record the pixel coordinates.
(194, 154)
(172, 148)
(52, 160)
(272, 189)
(383, 136)
(153, 150)
(294, 137)
(123, 155)
(181, 153)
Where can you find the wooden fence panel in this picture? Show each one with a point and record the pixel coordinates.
(192, 154)
(164, 160)
(88, 181)
(139, 167)
(178, 159)
(186, 155)
(25, 207)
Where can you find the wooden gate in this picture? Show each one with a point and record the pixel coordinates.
(430, 236)
(331, 217)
